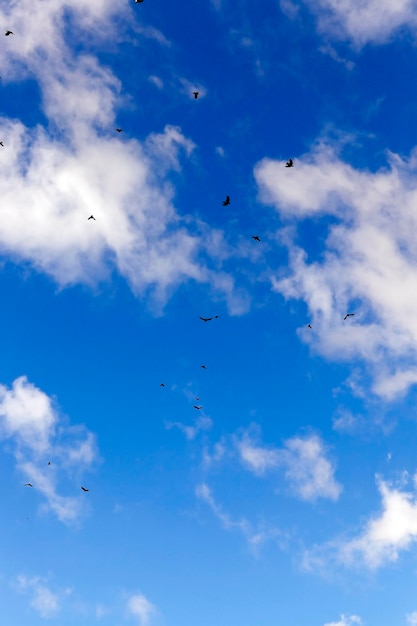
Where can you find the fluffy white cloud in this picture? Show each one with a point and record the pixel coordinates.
(364, 21)
(43, 600)
(55, 178)
(346, 620)
(412, 618)
(309, 472)
(30, 420)
(385, 535)
(139, 607)
(368, 265)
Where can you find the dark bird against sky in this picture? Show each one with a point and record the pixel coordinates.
(348, 315)
(227, 201)
(91, 218)
(206, 319)
(8, 32)
(84, 489)
(289, 163)
(28, 485)
(197, 407)
(195, 94)
(256, 237)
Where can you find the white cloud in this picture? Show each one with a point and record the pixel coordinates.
(256, 457)
(202, 423)
(346, 620)
(307, 468)
(139, 607)
(30, 420)
(385, 535)
(309, 472)
(255, 537)
(55, 178)
(368, 265)
(412, 618)
(364, 21)
(43, 600)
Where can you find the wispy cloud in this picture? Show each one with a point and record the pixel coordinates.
(254, 537)
(304, 459)
(346, 620)
(44, 601)
(371, 21)
(30, 419)
(139, 607)
(202, 423)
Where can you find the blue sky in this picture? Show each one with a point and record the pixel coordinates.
(290, 496)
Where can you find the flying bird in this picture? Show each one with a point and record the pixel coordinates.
(119, 130)
(309, 326)
(195, 93)
(203, 367)
(162, 385)
(197, 407)
(137, 1)
(256, 238)
(1, 144)
(227, 201)
(216, 317)
(348, 315)
(84, 489)
(289, 163)
(197, 398)
(49, 462)
(91, 218)
(206, 319)
(28, 485)
(8, 32)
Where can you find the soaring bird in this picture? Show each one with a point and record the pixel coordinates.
(203, 367)
(197, 398)
(91, 218)
(216, 317)
(162, 385)
(119, 130)
(49, 462)
(28, 485)
(84, 489)
(8, 32)
(197, 407)
(309, 326)
(195, 93)
(206, 319)
(227, 201)
(256, 238)
(348, 315)
(289, 163)
(137, 1)
(1, 144)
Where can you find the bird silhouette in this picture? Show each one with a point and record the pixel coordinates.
(348, 315)
(216, 317)
(197, 407)
(309, 326)
(91, 218)
(289, 163)
(206, 319)
(137, 1)
(256, 238)
(49, 462)
(197, 398)
(84, 489)
(119, 130)
(227, 201)
(8, 32)
(162, 385)
(1, 144)
(195, 93)
(28, 485)
(203, 367)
